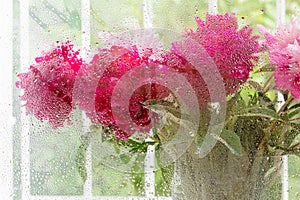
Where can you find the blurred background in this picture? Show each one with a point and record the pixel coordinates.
(53, 152)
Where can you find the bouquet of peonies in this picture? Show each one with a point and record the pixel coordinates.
(209, 102)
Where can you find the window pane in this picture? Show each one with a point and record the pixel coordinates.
(220, 121)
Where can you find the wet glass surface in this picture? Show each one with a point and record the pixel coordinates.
(194, 91)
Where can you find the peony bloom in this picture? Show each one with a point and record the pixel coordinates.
(284, 51)
(117, 62)
(49, 83)
(231, 49)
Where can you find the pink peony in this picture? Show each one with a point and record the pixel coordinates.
(231, 49)
(118, 61)
(49, 83)
(284, 51)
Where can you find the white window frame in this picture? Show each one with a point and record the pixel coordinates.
(6, 99)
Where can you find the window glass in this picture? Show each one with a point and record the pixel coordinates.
(212, 101)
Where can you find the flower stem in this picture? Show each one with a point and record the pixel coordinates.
(267, 83)
(152, 138)
(288, 101)
(295, 119)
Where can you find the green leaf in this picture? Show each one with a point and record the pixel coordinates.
(116, 147)
(295, 103)
(268, 68)
(255, 85)
(270, 171)
(163, 109)
(168, 173)
(272, 95)
(136, 146)
(293, 112)
(231, 140)
(171, 119)
(254, 99)
(296, 142)
(138, 174)
(163, 176)
(80, 158)
(235, 103)
(38, 20)
(295, 127)
(125, 158)
(136, 143)
(258, 111)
